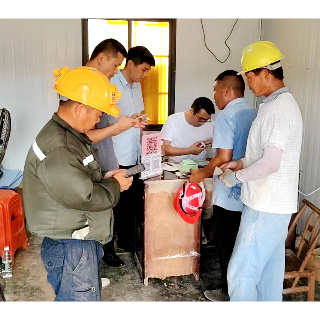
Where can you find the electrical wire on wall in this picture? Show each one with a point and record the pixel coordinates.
(204, 38)
(306, 195)
(309, 194)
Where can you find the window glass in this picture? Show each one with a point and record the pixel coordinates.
(152, 35)
(99, 30)
(155, 37)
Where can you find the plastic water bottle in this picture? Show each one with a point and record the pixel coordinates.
(6, 263)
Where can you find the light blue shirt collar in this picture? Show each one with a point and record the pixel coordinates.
(274, 94)
(233, 102)
(124, 81)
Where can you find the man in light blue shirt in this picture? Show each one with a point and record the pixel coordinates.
(233, 125)
(230, 139)
(127, 145)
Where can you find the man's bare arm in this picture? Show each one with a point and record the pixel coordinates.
(124, 123)
(222, 156)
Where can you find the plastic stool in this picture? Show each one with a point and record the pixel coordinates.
(12, 227)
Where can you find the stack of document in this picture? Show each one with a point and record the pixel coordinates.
(10, 179)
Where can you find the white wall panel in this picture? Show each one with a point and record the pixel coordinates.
(299, 41)
(30, 49)
(196, 67)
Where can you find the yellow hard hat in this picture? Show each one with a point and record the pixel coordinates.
(88, 86)
(260, 54)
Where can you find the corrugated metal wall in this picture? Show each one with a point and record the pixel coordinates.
(30, 49)
(299, 41)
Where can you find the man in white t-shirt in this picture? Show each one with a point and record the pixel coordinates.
(187, 135)
(269, 174)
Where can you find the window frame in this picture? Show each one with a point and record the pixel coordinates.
(172, 58)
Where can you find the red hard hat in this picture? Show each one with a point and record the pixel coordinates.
(189, 200)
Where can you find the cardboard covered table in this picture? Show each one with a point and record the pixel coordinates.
(166, 245)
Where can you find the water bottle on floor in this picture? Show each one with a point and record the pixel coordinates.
(2, 283)
(6, 263)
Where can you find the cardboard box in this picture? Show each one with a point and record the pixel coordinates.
(314, 263)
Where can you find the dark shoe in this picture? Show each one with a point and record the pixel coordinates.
(112, 260)
(216, 295)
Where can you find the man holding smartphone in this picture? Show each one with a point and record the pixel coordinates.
(127, 145)
(107, 57)
(187, 135)
(65, 190)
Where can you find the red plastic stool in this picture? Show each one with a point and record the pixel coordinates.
(12, 227)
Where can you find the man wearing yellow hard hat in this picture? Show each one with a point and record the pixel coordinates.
(67, 198)
(269, 174)
(107, 57)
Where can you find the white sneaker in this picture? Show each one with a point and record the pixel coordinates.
(216, 295)
(105, 282)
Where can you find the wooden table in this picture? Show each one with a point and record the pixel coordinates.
(170, 246)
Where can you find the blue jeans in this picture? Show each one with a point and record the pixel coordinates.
(257, 265)
(73, 268)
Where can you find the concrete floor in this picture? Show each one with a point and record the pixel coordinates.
(29, 282)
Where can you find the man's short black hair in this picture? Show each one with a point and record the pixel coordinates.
(110, 47)
(232, 79)
(140, 55)
(203, 103)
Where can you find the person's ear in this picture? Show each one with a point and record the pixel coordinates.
(130, 63)
(265, 74)
(100, 57)
(226, 91)
(80, 110)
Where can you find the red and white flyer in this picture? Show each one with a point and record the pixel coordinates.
(151, 155)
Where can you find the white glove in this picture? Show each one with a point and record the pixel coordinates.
(80, 234)
(228, 178)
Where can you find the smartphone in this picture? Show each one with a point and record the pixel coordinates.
(201, 144)
(134, 170)
(142, 116)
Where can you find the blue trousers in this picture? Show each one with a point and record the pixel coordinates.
(73, 268)
(257, 265)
